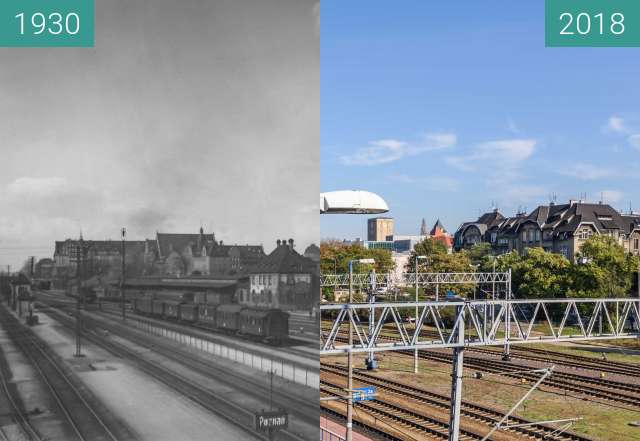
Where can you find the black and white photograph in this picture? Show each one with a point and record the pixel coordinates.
(159, 227)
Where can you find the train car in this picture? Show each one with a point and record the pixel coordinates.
(189, 312)
(269, 325)
(157, 308)
(172, 310)
(207, 315)
(143, 306)
(227, 317)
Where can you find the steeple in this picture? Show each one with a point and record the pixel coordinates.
(438, 229)
(423, 228)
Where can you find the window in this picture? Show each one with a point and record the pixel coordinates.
(636, 243)
(493, 237)
(564, 250)
(524, 236)
(537, 235)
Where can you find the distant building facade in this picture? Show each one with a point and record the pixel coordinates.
(284, 280)
(558, 228)
(198, 254)
(379, 228)
(100, 256)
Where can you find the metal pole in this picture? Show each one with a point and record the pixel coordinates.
(493, 293)
(350, 362)
(79, 294)
(124, 233)
(371, 361)
(456, 378)
(415, 322)
(515, 406)
(506, 356)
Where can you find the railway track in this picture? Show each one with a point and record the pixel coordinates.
(607, 390)
(82, 417)
(417, 425)
(18, 414)
(473, 411)
(570, 360)
(206, 398)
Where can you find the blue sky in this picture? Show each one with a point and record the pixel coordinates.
(444, 107)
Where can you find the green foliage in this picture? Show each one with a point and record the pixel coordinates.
(479, 252)
(335, 256)
(604, 269)
(537, 273)
(440, 261)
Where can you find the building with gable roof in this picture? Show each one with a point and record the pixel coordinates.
(284, 280)
(558, 228)
(198, 254)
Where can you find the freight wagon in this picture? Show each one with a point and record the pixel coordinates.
(267, 325)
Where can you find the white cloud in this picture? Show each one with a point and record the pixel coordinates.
(510, 150)
(436, 183)
(586, 172)
(616, 124)
(384, 151)
(503, 154)
(610, 196)
(634, 141)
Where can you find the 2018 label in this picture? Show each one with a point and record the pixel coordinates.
(582, 23)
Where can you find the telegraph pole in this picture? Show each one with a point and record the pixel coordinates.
(124, 233)
(79, 253)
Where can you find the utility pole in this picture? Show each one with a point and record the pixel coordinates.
(124, 233)
(270, 400)
(456, 378)
(506, 356)
(79, 255)
(350, 362)
(371, 361)
(415, 324)
(349, 352)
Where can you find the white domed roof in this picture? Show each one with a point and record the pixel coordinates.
(352, 202)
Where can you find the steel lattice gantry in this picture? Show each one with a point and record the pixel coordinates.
(483, 322)
(409, 279)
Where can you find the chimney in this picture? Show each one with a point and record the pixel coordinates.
(291, 244)
(278, 242)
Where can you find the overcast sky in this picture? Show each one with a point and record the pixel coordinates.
(184, 113)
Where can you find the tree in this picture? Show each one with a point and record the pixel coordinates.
(478, 252)
(430, 248)
(535, 274)
(439, 260)
(335, 256)
(603, 269)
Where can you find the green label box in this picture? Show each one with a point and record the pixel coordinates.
(592, 23)
(46, 23)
